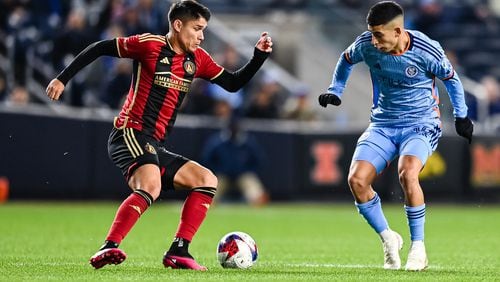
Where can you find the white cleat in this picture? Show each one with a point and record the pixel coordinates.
(392, 246)
(417, 257)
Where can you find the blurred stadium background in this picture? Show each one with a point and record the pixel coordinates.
(58, 150)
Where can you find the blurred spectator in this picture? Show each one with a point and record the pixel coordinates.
(288, 4)
(235, 156)
(207, 98)
(117, 85)
(198, 100)
(353, 4)
(428, 14)
(222, 109)
(434, 18)
(233, 99)
(131, 23)
(20, 25)
(484, 16)
(263, 103)
(68, 44)
(27, 22)
(492, 89)
(298, 108)
(47, 15)
(471, 102)
(495, 7)
(232, 61)
(18, 97)
(3, 85)
(151, 17)
(229, 58)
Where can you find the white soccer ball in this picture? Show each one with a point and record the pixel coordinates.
(237, 250)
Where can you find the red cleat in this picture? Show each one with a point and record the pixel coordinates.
(177, 262)
(107, 256)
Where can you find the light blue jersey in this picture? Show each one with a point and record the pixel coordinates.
(404, 89)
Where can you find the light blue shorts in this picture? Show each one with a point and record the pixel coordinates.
(381, 145)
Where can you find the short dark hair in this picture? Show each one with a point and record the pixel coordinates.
(187, 10)
(383, 12)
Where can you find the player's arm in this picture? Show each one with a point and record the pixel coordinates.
(351, 56)
(233, 81)
(444, 71)
(463, 124)
(87, 56)
(339, 81)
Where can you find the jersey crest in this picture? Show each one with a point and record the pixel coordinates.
(411, 71)
(189, 67)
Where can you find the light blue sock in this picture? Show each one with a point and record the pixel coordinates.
(372, 212)
(416, 221)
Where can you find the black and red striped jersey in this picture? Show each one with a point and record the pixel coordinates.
(160, 81)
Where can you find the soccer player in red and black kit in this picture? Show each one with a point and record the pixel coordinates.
(164, 67)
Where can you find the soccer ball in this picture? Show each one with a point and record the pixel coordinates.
(237, 250)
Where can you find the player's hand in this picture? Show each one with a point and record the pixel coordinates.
(464, 128)
(55, 89)
(265, 43)
(328, 98)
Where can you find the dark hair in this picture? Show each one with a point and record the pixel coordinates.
(383, 12)
(188, 10)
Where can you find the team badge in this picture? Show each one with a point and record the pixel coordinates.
(189, 67)
(150, 149)
(411, 71)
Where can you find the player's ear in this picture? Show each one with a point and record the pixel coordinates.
(398, 30)
(177, 25)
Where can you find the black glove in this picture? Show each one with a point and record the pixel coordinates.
(327, 98)
(464, 127)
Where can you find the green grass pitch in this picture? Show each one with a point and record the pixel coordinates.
(52, 241)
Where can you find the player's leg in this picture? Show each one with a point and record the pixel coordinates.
(408, 168)
(185, 174)
(417, 145)
(368, 161)
(141, 168)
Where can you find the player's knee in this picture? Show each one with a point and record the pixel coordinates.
(358, 184)
(206, 179)
(151, 185)
(356, 181)
(407, 177)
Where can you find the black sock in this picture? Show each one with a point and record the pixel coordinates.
(179, 247)
(109, 245)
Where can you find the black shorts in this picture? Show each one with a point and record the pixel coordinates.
(129, 149)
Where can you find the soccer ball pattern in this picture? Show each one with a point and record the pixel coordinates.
(237, 250)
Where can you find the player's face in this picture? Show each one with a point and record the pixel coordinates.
(191, 34)
(384, 38)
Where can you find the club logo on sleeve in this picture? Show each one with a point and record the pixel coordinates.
(150, 149)
(189, 67)
(411, 71)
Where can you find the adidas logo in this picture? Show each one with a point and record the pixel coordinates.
(165, 61)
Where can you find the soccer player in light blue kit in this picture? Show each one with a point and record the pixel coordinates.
(404, 120)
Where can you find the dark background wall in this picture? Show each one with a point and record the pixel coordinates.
(59, 158)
